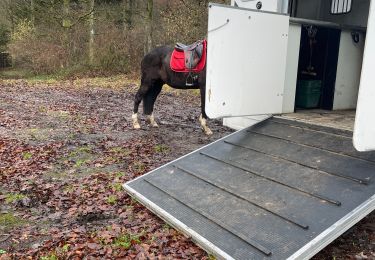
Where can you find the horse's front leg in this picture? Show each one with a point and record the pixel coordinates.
(203, 117)
(135, 121)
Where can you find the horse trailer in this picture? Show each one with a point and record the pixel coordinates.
(278, 188)
(261, 63)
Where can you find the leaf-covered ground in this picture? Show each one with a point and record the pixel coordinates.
(65, 149)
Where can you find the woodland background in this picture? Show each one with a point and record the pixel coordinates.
(67, 37)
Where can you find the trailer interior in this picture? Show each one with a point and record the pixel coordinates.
(331, 50)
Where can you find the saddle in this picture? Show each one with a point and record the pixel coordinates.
(193, 53)
(189, 58)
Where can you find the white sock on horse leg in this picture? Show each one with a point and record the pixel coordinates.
(204, 126)
(151, 120)
(136, 124)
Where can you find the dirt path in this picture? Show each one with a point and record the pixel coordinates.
(66, 148)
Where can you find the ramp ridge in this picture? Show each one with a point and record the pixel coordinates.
(311, 146)
(217, 221)
(239, 166)
(215, 184)
(361, 181)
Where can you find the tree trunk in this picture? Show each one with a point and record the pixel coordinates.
(66, 23)
(91, 33)
(150, 15)
(128, 14)
(8, 11)
(32, 12)
(66, 19)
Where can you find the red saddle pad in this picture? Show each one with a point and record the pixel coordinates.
(177, 63)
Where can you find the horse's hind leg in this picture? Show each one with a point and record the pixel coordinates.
(203, 117)
(149, 101)
(143, 89)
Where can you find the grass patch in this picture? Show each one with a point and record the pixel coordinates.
(29, 76)
(80, 156)
(139, 167)
(116, 186)
(119, 174)
(120, 151)
(15, 73)
(42, 109)
(8, 220)
(84, 150)
(13, 197)
(76, 162)
(2, 252)
(81, 162)
(47, 79)
(69, 188)
(65, 248)
(38, 134)
(112, 199)
(61, 114)
(116, 154)
(27, 155)
(126, 241)
(161, 148)
(49, 257)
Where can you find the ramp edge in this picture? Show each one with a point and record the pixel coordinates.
(334, 231)
(197, 238)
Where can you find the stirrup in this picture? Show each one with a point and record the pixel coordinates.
(190, 80)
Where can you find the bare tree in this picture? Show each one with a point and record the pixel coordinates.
(149, 21)
(91, 32)
(32, 11)
(129, 6)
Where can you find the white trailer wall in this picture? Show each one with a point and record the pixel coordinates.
(348, 71)
(291, 67)
(364, 130)
(294, 39)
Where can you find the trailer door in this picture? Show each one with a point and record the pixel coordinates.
(246, 61)
(364, 129)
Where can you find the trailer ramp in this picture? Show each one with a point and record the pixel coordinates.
(277, 190)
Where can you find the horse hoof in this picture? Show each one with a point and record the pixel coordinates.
(136, 126)
(151, 120)
(208, 132)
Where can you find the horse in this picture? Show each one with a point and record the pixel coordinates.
(156, 71)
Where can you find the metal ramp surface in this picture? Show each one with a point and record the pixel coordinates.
(280, 189)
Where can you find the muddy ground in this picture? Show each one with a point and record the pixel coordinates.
(65, 149)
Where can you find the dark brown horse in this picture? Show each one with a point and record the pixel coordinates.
(156, 72)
